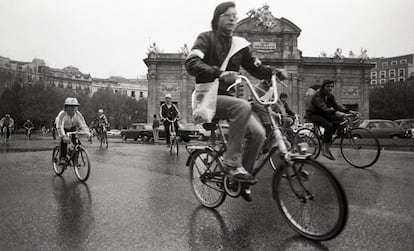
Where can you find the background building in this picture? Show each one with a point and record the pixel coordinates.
(26, 73)
(274, 42)
(23, 73)
(393, 69)
(135, 88)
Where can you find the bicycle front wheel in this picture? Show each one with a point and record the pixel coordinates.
(58, 169)
(81, 164)
(360, 148)
(207, 178)
(106, 139)
(311, 199)
(311, 137)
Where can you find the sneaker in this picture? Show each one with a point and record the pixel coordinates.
(246, 194)
(240, 174)
(328, 155)
(62, 161)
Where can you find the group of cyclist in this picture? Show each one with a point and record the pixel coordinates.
(218, 55)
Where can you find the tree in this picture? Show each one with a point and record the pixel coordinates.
(393, 101)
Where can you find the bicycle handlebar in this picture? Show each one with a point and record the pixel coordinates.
(171, 121)
(274, 79)
(77, 133)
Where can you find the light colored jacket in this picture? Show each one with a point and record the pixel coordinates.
(64, 121)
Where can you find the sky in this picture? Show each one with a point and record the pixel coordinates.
(111, 37)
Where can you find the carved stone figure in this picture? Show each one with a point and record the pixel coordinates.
(263, 16)
(338, 53)
(364, 55)
(185, 50)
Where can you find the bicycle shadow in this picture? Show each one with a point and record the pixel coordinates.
(298, 242)
(356, 180)
(74, 213)
(208, 231)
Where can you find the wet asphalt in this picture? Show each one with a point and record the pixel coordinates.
(139, 197)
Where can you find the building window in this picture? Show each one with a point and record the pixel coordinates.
(69, 85)
(125, 93)
(133, 94)
(382, 81)
(60, 84)
(391, 73)
(374, 75)
(141, 94)
(382, 74)
(403, 61)
(401, 72)
(384, 64)
(375, 64)
(401, 79)
(373, 82)
(391, 80)
(394, 62)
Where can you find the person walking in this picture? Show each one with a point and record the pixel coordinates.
(155, 128)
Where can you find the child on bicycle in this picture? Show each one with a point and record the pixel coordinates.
(69, 120)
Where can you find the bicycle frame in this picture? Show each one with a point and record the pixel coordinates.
(173, 133)
(349, 125)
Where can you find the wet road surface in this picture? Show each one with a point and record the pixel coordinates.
(138, 197)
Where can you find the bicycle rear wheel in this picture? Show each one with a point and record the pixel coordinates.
(81, 164)
(311, 199)
(58, 169)
(311, 137)
(360, 148)
(207, 178)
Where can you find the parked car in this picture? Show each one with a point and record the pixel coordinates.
(136, 131)
(143, 131)
(382, 128)
(407, 125)
(113, 132)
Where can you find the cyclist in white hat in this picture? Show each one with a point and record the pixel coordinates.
(69, 120)
(169, 111)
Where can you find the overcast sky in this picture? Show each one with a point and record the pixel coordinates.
(111, 37)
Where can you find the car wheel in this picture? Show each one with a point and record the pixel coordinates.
(201, 137)
(186, 140)
(395, 137)
(145, 138)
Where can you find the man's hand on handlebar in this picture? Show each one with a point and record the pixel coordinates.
(229, 76)
(340, 114)
(281, 74)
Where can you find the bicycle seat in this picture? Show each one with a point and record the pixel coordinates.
(211, 126)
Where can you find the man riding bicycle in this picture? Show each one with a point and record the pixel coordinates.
(169, 111)
(8, 123)
(102, 122)
(325, 112)
(28, 126)
(215, 55)
(69, 120)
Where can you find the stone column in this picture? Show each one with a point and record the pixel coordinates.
(183, 94)
(338, 84)
(152, 92)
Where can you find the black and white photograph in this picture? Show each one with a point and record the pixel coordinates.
(206, 125)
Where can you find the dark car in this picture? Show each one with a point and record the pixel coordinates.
(143, 131)
(407, 125)
(382, 128)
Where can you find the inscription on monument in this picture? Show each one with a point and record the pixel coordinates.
(350, 91)
(264, 46)
(169, 87)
